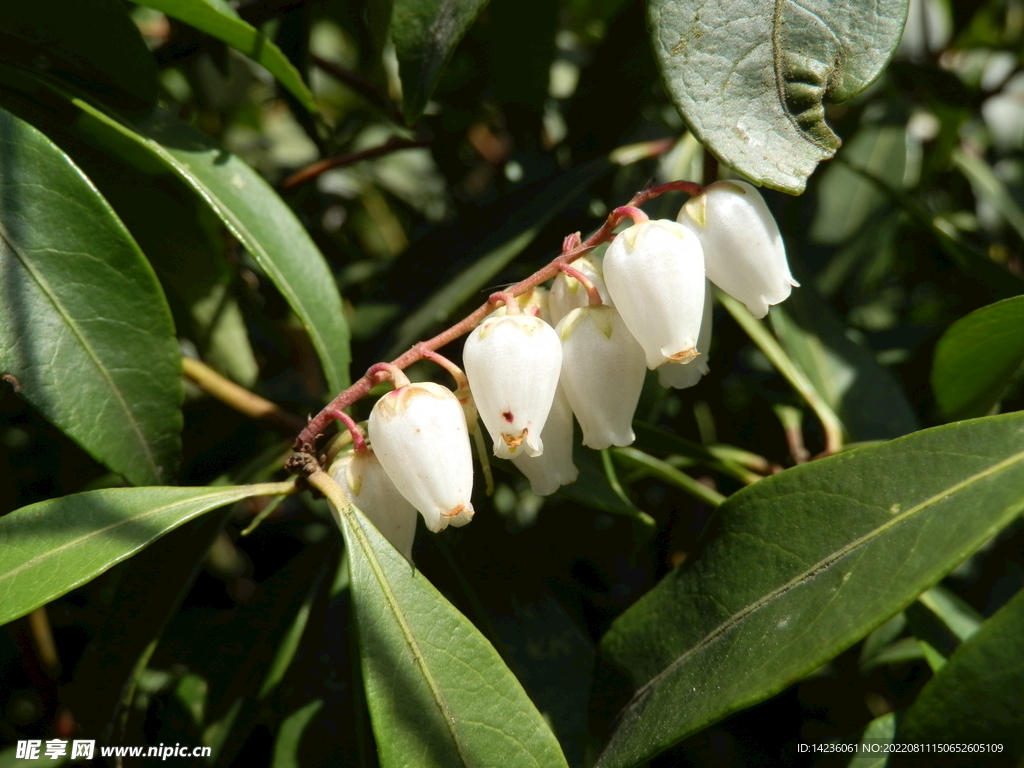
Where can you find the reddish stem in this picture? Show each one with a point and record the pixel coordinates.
(305, 443)
(593, 294)
(508, 299)
(357, 434)
(461, 382)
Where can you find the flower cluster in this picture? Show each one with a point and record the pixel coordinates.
(580, 349)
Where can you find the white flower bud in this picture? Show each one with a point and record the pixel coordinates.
(547, 473)
(684, 375)
(512, 363)
(567, 293)
(743, 251)
(602, 374)
(420, 437)
(655, 275)
(371, 489)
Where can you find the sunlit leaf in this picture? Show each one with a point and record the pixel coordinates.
(750, 76)
(252, 211)
(439, 694)
(799, 566)
(84, 327)
(977, 358)
(54, 546)
(218, 19)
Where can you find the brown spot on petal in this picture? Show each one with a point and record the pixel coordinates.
(507, 415)
(454, 512)
(514, 441)
(685, 356)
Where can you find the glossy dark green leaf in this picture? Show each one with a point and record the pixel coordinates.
(84, 326)
(750, 76)
(91, 43)
(438, 692)
(978, 696)
(977, 357)
(54, 546)
(868, 399)
(252, 211)
(218, 19)
(799, 566)
(425, 33)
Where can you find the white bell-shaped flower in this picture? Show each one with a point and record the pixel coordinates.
(420, 437)
(655, 274)
(567, 293)
(512, 363)
(555, 468)
(371, 489)
(685, 375)
(743, 251)
(602, 374)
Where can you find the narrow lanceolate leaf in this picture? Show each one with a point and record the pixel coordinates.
(51, 547)
(85, 331)
(799, 566)
(439, 694)
(978, 696)
(977, 358)
(91, 43)
(218, 19)
(751, 76)
(425, 33)
(252, 211)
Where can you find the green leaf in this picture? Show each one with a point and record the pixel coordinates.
(978, 696)
(218, 19)
(90, 43)
(846, 200)
(425, 33)
(868, 399)
(84, 326)
(251, 210)
(439, 694)
(879, 731)
(750, 76)
(977, 357)
(54, 546)
(289, 735)
(799, 566)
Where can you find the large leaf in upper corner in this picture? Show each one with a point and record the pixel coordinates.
(750, 76)
(977, 358)
(439, 694)
(218, 19)
(251, 210)
(91, 43)
(84, 326)
(53, 546)
(425, 33)
(796, 568)
(978, 696)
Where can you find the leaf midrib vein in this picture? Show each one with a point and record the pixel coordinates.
(134, 519)
(44, 286)
(810, 573)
